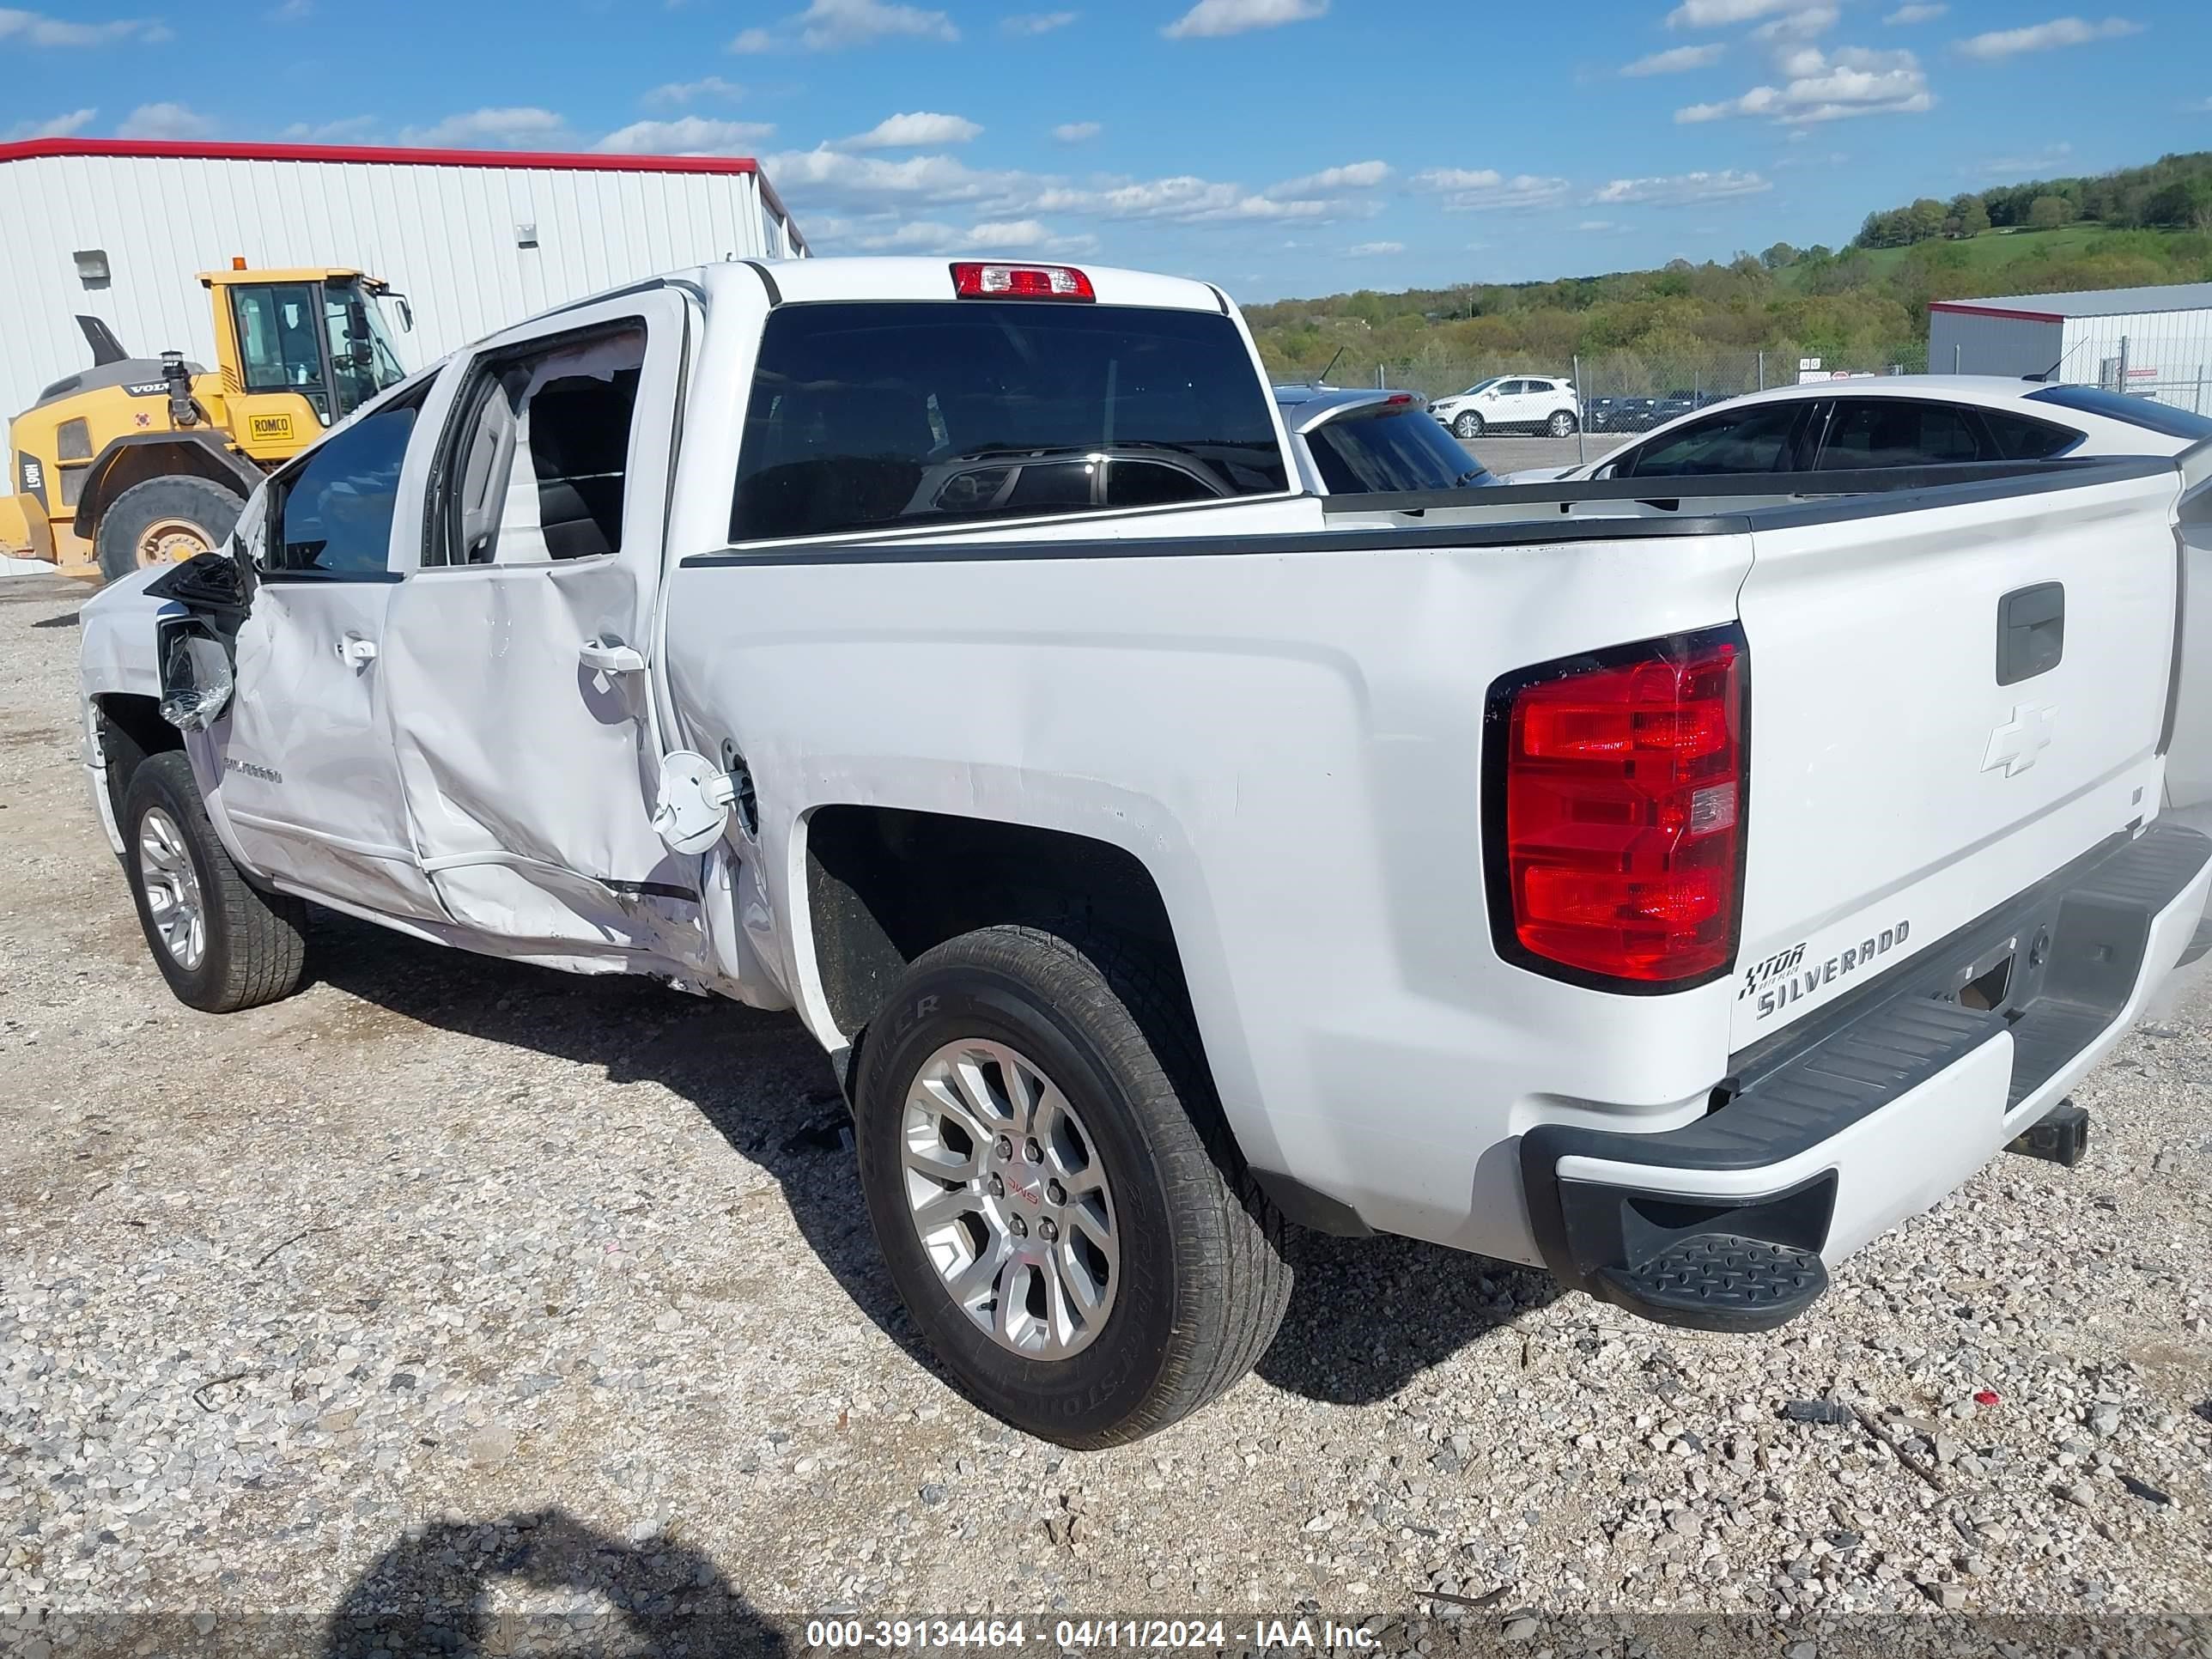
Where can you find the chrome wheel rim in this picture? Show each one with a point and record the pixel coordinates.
(1009, 1199)
(172, 888)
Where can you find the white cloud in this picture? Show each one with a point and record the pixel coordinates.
(834, 25)
(2040, 165)
(921, 129)
(1828, 87)
(58, 126)
(674, 94)
(841, 182)
(1467, 190)
(1676, 60)
(165, 121)
(36, 29)
(1375, 250)
(515, 127)
(1908, 14)
(2043, 37)
(1801, 25)
(290, 11)
(687, 134)
(1036, 22)
(1715, 14)
(1210, 18)
(1359, 175)
(1595, 227)
(1679, 189)
(342, 130)
(935, 236)
(1077, 132)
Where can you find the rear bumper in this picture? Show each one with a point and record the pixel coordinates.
(1874, 1110)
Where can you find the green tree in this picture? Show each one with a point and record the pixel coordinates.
(2050, 212)
(1968, 217)
(1780, 257)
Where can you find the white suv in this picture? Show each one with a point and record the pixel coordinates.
(1508, 404)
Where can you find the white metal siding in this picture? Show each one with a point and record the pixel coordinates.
(444, 235)
(2167, 354)
(1974, 342)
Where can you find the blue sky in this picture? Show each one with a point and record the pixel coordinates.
(1280, 147)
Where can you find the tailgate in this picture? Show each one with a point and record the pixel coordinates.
(1948, 703)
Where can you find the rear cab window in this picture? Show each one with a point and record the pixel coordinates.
(1401, 448)
(879, 414)
(1757, 440)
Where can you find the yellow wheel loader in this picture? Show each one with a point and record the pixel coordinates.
(138, 461)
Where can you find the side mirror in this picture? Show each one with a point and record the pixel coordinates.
(406, 313)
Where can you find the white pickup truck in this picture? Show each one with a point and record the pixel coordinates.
(1676, 893)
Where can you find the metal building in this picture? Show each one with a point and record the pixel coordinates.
(116, 229)
(2150, 342)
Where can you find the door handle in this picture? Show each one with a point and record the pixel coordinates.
(611, 657)
(356, 652)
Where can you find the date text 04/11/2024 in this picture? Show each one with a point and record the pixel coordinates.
(1077, 1635)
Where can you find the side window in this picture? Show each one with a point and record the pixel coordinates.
(538, 468)
(280, 339)
(1155, 483)
(1512, 388)
(2013, 438)
(1879, 432)
(1742, 440)
(332, 514)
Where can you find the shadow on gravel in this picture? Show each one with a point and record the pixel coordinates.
(759, 1079)
(1367, 1316)
(426, 1595)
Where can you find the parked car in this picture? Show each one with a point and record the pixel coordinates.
(1628, 414)
(1673, 405)
(1511, 404)
(1154, 875)
(1350, 442)
(1904, 420)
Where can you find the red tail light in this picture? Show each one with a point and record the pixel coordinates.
(978, 281)
(1617, 801)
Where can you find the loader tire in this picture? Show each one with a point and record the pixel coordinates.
(164, 521)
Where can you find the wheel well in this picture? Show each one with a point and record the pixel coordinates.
(885, 885)
(132, 460)
(131, 729)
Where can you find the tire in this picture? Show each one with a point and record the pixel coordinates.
(192, 514)
(1468, 426)
(1562, 423)
(1198, 1285)
(252, 945)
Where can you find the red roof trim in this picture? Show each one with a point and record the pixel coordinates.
(1971, 309)
(589, 162)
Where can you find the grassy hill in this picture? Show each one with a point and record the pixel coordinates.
(1865, 305)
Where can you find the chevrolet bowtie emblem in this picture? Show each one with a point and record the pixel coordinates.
(2015, 744)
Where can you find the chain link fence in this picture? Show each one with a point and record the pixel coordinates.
(1610, 395)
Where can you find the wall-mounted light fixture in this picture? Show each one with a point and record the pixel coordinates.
(91, 266)
(526, 235)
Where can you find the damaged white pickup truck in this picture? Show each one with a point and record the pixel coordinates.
(1676, 893)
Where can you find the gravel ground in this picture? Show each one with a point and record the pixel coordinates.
(460, 1293)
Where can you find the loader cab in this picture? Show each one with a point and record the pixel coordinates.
(300, 350)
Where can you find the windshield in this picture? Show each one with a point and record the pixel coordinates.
(870, 415)
(1480, 386)
(1401, 449)
(2135, 411)
(362, 357)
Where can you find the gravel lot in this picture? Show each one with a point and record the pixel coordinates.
(482, 1300)
(1503, 452)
